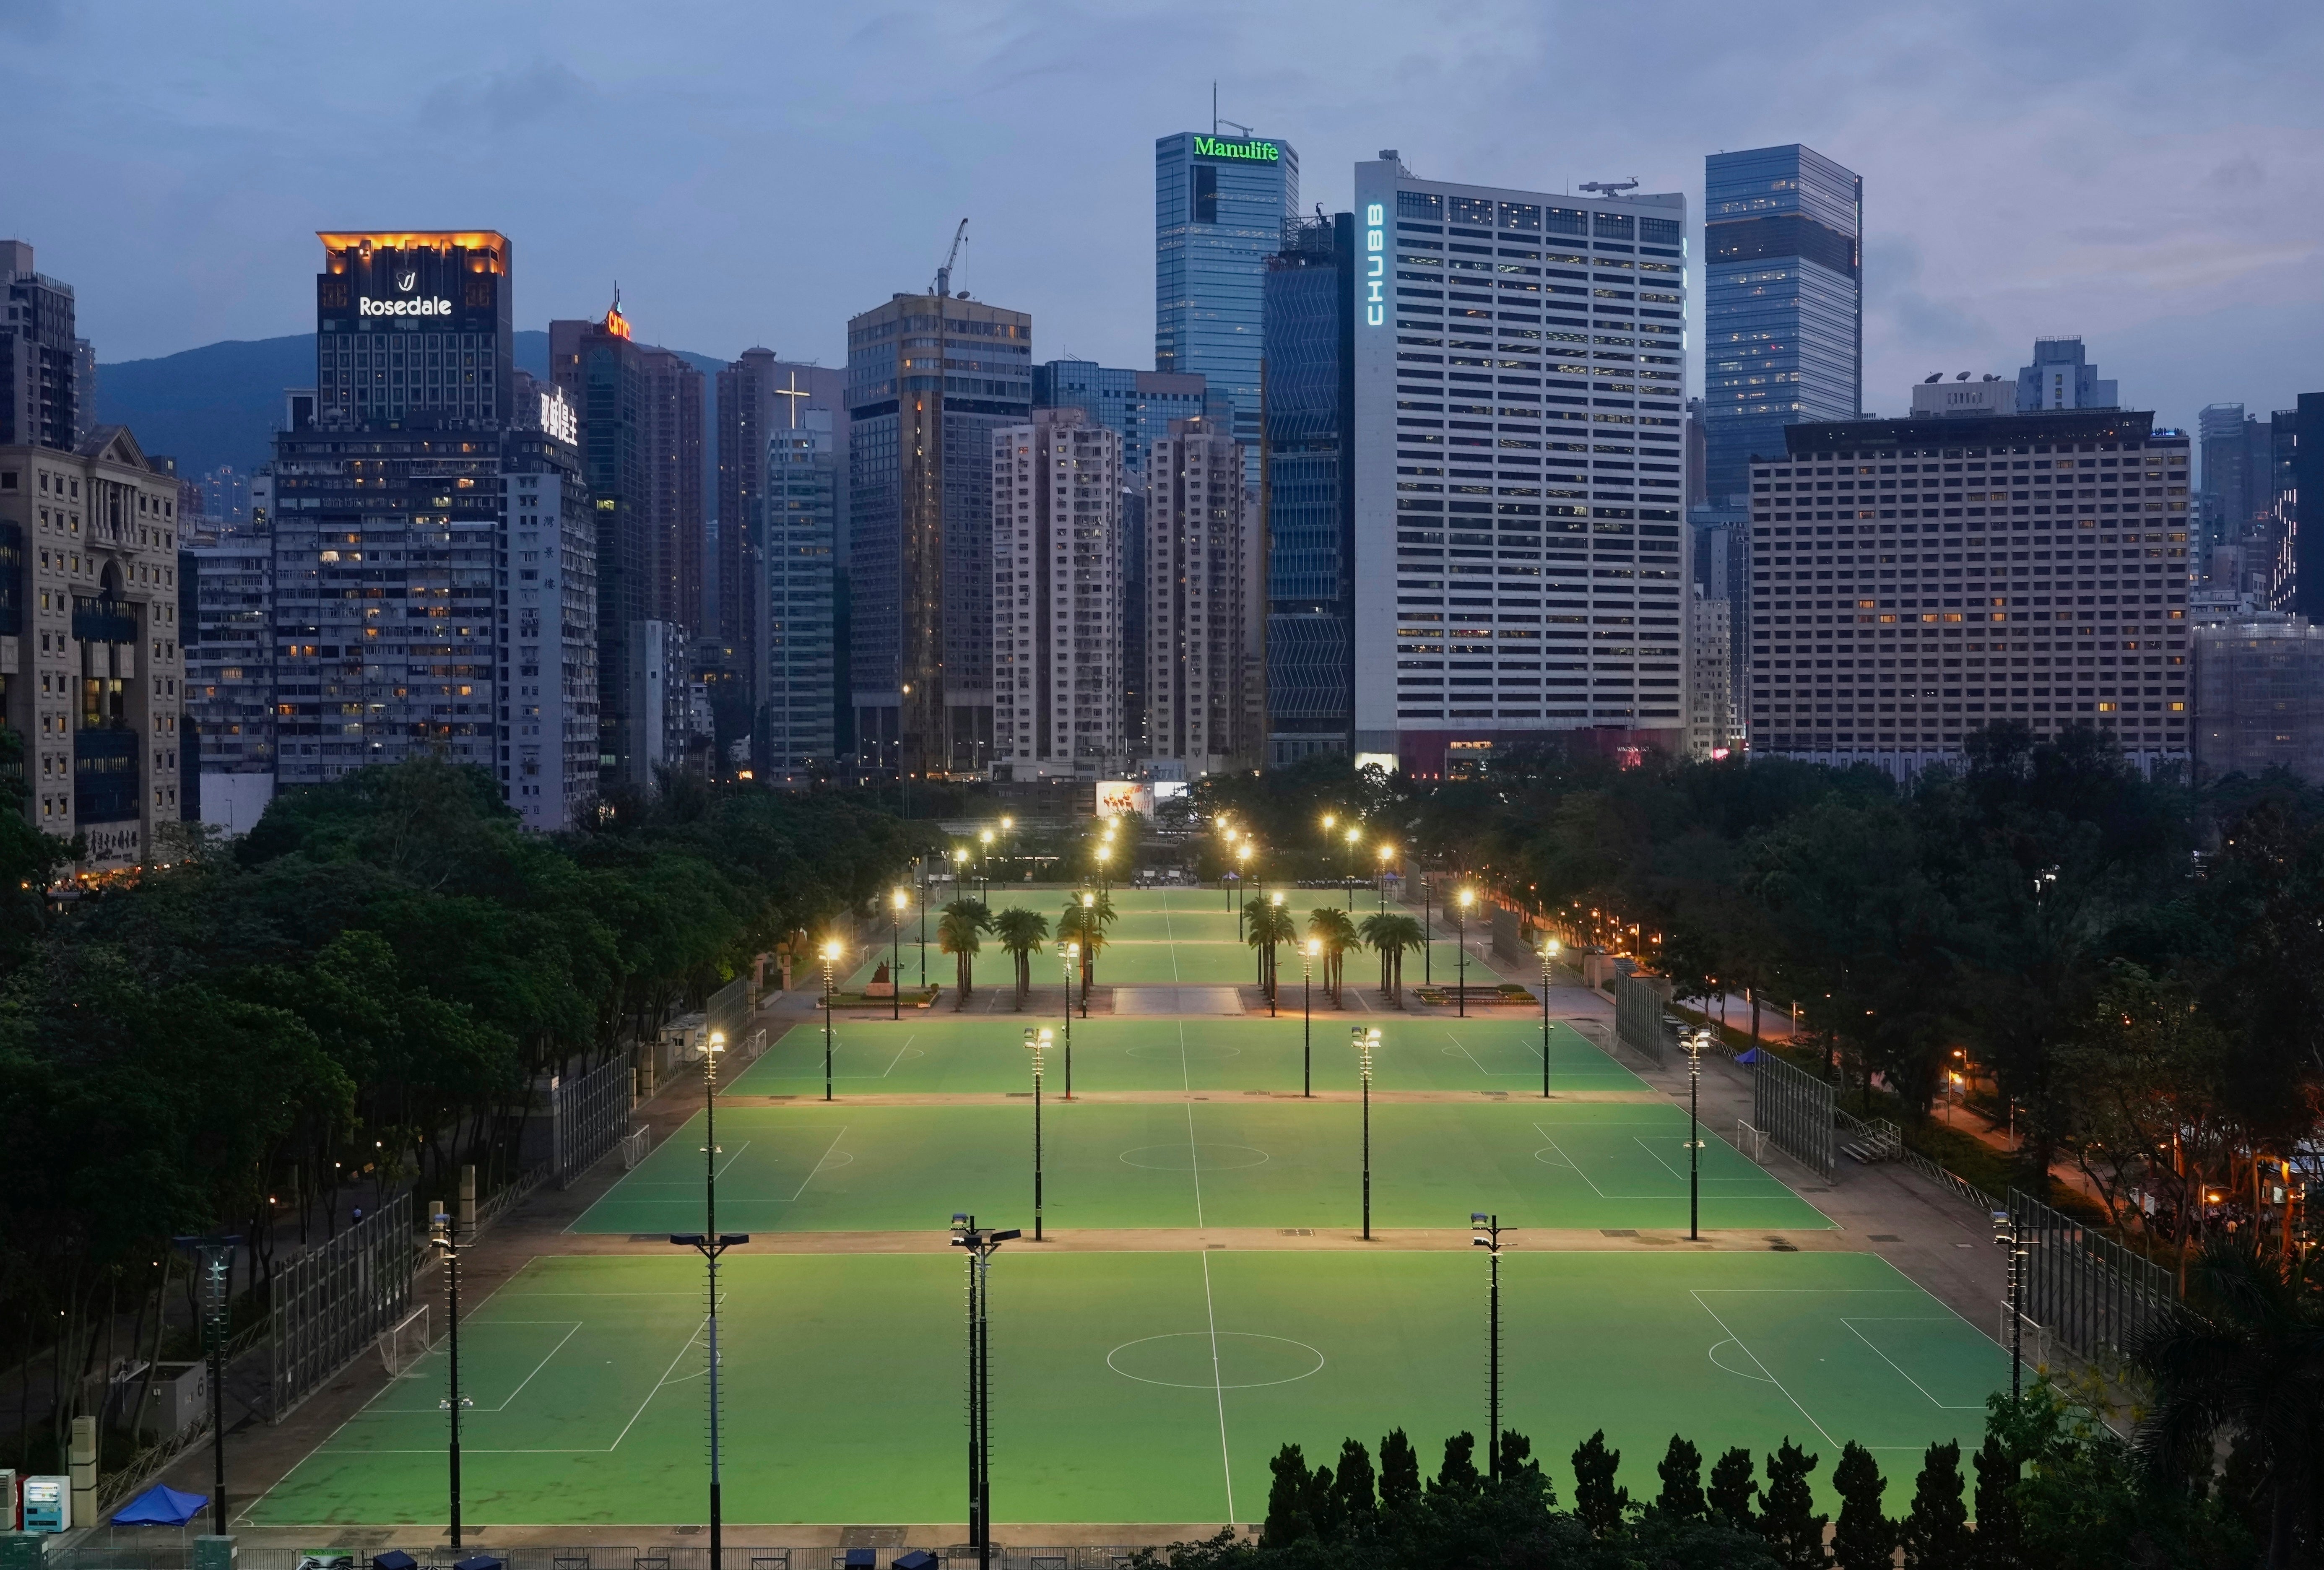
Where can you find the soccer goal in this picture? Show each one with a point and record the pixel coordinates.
(1751, 1142)
(634, 1146)
(402, 1347)
(2035, 1343)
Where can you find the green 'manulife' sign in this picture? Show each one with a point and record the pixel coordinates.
(1258, 151)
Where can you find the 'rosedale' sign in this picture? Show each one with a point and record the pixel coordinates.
(439, 306)
(1258, 151)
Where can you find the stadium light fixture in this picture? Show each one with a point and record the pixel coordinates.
(830, 958)
(1487, 1230)
(710, 1243)
(1366, 1040)
(1549, 951)
(981, 1243)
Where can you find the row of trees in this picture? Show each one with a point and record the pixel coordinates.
(2134, 965)
(1021, 934)
(359, 996)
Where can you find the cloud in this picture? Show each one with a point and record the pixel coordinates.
(509, 99)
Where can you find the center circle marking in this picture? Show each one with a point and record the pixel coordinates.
(1184, 1157)
(1237, 1353)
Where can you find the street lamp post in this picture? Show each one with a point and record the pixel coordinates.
(1314, 946)
(1549, 947)
(1461, 941)
(440, 1238)
(710, 1242)
(1242, 882)
(1363, 1039)
(1038, 1043)
(896, 957)
(2010, 1233)
(1488, 1231)
(984, 838)
(1089, 962)
(830, 957)
(1427, 932)
(981, 1243)
(1070, 952)
(1387, 852)
(924, 920)
(1275, 905)
(1695, 1047)
(216, 1257)
(960, 872)
(1354, 835)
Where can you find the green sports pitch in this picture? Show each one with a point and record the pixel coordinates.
(1185, 1162)
(938, 1052)
(1160, 936)
(1127, 1387)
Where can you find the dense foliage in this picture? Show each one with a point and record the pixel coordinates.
(357, 996)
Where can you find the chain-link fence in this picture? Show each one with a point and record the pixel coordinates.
(169, 1550)
(588, 1114)
(331, 1302)
(1793, 1109)
(1639, 1003)
(2091, 1294)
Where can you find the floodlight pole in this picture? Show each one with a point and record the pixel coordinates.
(1488, 1230)
(1548, 953)
(924, 919)
(1069, 951)
(981, 1243)
(896, 957)
(216, 1256)
(2009, 1233)
(446, 1246)
(710, 1242)
(1427, 933)
(1364, 1041)
(1694, 1046)
(827, 1000)
(1034, 1044)
(1306, 1023)
(1461, 940)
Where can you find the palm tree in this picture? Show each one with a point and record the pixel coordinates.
(1084, 925)
(1021, 931)
(958, 934)
(2254, 1366)
(1268, 923)
(1331, 924)
(1391, 935)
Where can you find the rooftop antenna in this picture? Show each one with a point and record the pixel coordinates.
(1611, 187)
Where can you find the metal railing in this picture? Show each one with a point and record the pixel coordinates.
(330, 1304)
(1795, 1110)
(2093, 1296)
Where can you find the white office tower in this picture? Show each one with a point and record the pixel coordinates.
(1520, 405)
(1056, 598)
(1202, 602)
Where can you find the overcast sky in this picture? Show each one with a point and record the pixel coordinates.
(2149, 176)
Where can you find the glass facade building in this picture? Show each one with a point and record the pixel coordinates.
(1783, 315)
(795, 733)
(1310, 298)
(1221, 205)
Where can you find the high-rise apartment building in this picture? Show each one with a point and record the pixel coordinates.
(90, 666)
(1203, 612)
(229, 653)
(930, 378)
(795, 736)
(1222, 205)
(1519, 389)
(760, 393)
(1308, 495)
(2063, 377)
(549, 757)
(41, 394)
(1917, 579)
(1720, 539)
(639, 412)
(1783, 307)
(1056, 597)
(1711, 729)
(2259, 695)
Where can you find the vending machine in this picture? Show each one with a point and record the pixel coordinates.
(7, 1499)
(48, 1504)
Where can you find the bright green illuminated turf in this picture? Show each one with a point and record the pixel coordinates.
(1161, 936)
(940, 1052)
(1130, 1387)
(1223, 1163)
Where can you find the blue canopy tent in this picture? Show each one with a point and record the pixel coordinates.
(161, 1506)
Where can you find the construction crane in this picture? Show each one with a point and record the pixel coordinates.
(943, 273)
(1610, 187)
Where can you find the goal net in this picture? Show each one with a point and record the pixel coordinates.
(402, 1347)
(1751, 1142)
(634, 1145)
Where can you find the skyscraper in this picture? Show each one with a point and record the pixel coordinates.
(1782, 308)
(1519, 396)
(930, 377)
(1220, 206)
(1056, 597)
(1309, 494)
(1203, 582)
(2063, 377)
(39, 358)
(793, 735)
(640, 414)
(760, 393)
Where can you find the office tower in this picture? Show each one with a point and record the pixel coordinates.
(1202, 577)
(1710, 670)
(39, 358)
(418, 335)
(1721, 541)
(795, 738)
(89, 631)
(1915, 580)
(930, 379)
(1783, 306)
(1136, 406)
(226, 499)
(2259, 695)
(2061, 377)
(1697, 488)
(759, 394)
(1056, 598)
(640, 414)
(2225, 479)
(229, 653)
(1308, 497)
(1222, 205)
(1520, 393)
(549, 689)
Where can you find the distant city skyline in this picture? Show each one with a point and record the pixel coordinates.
(2155, 193)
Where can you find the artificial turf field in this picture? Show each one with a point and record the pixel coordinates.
(1131, 1386)
(1134, 1380)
